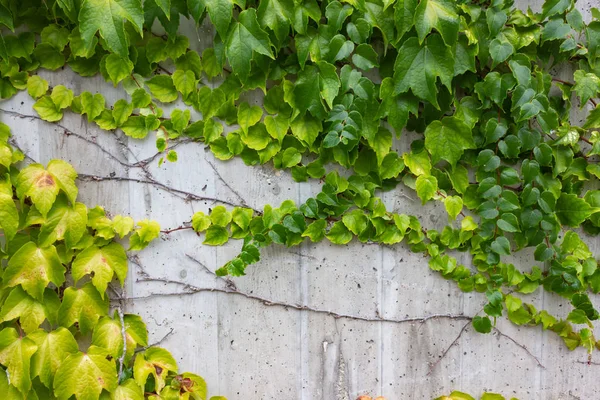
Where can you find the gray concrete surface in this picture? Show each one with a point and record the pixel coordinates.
(248, 350)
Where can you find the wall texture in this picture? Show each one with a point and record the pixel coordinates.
(252, 346)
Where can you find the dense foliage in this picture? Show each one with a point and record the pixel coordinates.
(494, 142)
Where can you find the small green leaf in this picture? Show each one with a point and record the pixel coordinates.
(482, 324)
(162, 88)
(37, 87)
(200, 221)
(339, 234)
(426, 186)
(454, 205)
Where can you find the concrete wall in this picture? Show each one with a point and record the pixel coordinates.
(246, 349)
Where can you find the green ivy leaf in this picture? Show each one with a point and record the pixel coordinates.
(438, 14)
(15, 354)
(365, 57)
(33, 268)
(118, 68)
(572, 210)
(482, 324)
(102, 263)
(156, 362)
(47, 110)
(216, 236)
(19, 304)
(85, 375)
(417, 68)
(453, 205)
(244, 38)
(36, 87)
(107, 17)
(52, 349)
(64, 223)
(82, 305)
(447, 139)
(587, 86)
(339, 234)
(426, 186)
(163, 88)
(221, 14)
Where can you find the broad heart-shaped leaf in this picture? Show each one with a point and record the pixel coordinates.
(85, 375)
(417, 68)
(64, 222)
(33, 268)
(107, 16)
(42, 185)
(30, 312)
(52, 348)
(447, 139)
(155, 361)
(15, 355)
(572, 210)
(102, 263)
(244, 38)
(84, 306)
(438, 14)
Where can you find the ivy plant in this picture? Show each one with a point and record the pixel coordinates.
(474, 80)
(58, 338)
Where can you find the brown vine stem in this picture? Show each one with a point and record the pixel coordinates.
(181, 193)
(189, 289)
(454, 342)
(192, 289)
(504, 335)
(140, 349)
(179, 228)
(588, 362)
(216, 171)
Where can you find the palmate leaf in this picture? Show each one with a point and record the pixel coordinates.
(30, 312)
(85, 375)
(33, 268)
(244, 38)
(156, 362)
(42, 185)
(108, 16)
(83, 306)
(64, 222)
(418, 67)
(102, 263)
(447, 139)
(52, 348)
(15, 355)
(438, 14)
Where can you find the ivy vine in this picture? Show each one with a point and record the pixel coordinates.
(493, 141)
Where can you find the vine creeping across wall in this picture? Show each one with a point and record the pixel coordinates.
(498, 148)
